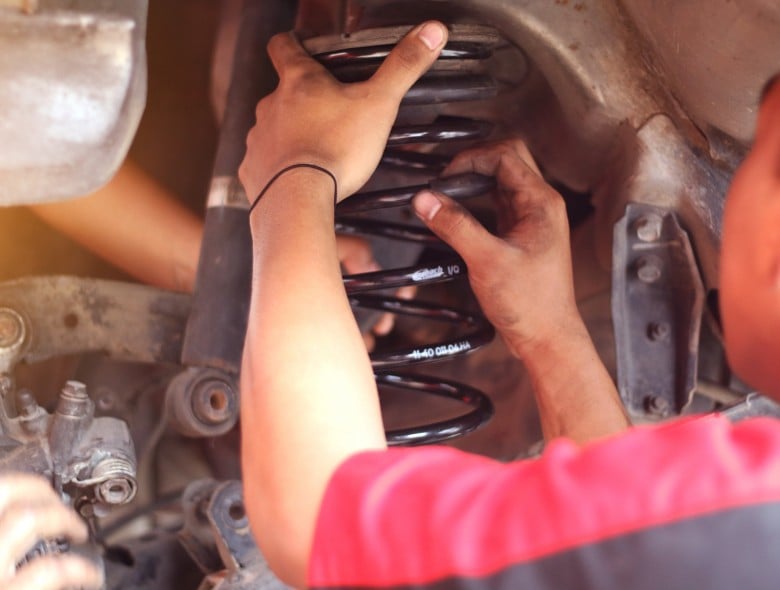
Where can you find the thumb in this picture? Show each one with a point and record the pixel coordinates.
(454, 225)
(410, 59)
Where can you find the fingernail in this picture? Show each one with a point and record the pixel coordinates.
(426, 205)
(773, 81)
(432, 34)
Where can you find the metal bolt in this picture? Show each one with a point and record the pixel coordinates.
(648, 227)
(25, 403)
(74, 400)
(657, 331)
(648, 269)
(12, 330)
(212, 402)
(106, 400)
(119, 486)
(6, 384)
(657, 405)
(115, 491)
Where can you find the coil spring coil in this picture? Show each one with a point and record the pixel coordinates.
(358, 61)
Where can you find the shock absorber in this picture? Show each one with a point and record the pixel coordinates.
(457, 76)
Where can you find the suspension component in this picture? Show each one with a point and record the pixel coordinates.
(458, 75)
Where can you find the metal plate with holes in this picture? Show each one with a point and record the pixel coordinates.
(657, 303)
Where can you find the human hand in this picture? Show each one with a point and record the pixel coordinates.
(30, 511)
(356, 257)
(750, 256)
(313, 118)
(523, 280)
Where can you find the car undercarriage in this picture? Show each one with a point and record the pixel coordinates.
(126, 396)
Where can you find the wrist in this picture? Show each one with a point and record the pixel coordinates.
(290, 170)
(296, 188)
(555, 345)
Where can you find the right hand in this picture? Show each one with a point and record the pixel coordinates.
(522, 280)
(311, 117)
(30, 511)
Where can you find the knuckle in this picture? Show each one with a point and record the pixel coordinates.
(407, 56)
(455, 220)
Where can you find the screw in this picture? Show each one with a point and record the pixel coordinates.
(25, 403)
(11, 328)
(648, 227)
(657, 331)
(657, 405)
(648, 269)
(106, 400)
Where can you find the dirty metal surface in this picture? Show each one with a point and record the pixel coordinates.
(74, 88)
(657, 304)
(69, 315)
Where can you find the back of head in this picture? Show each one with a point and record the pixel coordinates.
(750, 260)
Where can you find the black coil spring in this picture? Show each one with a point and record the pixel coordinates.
(447, 85)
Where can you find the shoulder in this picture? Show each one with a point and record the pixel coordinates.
(421, 515)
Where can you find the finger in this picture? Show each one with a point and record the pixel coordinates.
(289, 57)
(384, 325)
(369, 341)
(57, 572)
(33, 489)
(495, 160)
(409, 60)
(355, 255)
(24, 525)
(407, 292)
(454, 225)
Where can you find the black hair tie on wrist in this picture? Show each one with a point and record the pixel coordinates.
(293, 167)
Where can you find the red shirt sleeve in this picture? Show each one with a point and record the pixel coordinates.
(415, 516)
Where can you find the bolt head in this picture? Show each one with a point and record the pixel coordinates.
(649, 269)
(648, 227)
(658, 331)
(12, 330)
(657, 405)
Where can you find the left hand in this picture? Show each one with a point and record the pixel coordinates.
(30, 511)
(313, 118)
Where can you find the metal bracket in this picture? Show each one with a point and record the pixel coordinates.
(657, 303)
(44, 317)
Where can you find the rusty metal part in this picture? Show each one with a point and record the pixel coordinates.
(216, 535)
(657, 305)
(202, 402)
(69, 315)
(74, 88)
(86, 457)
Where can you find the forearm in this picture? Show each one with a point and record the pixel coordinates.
(574, 392)
(136, 225)
(308, 393)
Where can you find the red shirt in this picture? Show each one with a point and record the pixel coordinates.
(693, 504)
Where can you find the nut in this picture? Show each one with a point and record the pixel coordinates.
(12, 330)
(649, 269)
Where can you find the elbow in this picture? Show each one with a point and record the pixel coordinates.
(284, 539)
